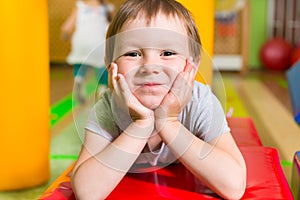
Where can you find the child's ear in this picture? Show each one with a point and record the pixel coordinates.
(197, 61)
(194, 61)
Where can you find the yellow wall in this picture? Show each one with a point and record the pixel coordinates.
(203, 12)
(24, 102)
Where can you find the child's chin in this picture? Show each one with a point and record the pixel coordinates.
(150, 102)
(151, 105)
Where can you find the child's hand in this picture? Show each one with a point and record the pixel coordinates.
(126, 100)
(65, 33)
(65, 36)
(177, 98)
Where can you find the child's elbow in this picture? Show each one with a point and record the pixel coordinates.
(85, 194)
(235, 189)
(89, 196)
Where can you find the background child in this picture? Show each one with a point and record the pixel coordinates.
(155, 113)
(87, 25)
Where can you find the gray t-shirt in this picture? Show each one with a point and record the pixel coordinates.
(203, 116)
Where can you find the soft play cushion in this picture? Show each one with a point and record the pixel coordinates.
(265, 180)
(244, 131)
(295, 184)
(293, 75)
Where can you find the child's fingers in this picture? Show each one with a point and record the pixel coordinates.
(114, 72)
(186, 77)
(190, 72)
(121, 87)
(135, 108)
(124, 90)
(181, 88)
(189, 65)
(184, 82)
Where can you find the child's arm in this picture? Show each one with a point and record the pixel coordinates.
(69, 25)
(102, 164)
(219, 163)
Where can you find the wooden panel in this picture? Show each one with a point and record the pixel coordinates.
(58, 12)
(274, 122)
(285, 20)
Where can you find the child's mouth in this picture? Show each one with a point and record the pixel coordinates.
(151, 84)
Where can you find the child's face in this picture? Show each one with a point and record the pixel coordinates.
(150, 56)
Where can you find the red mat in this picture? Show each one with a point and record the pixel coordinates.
(265, 178)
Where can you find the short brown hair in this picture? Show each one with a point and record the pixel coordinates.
(131, 9)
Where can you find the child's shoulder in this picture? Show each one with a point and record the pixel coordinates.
(201, 89)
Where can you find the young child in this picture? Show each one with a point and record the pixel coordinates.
(89, 21)
(155, 113)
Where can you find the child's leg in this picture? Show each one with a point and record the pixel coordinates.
(79, 73)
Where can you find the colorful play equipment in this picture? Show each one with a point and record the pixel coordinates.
(227, 9)
(293, 75)
(295, 55)
(295, 183)
(265, 178)
(275, 54)
(24, 86)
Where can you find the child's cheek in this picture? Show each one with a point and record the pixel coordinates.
(123, 67)
(177, 65)
(181, 66)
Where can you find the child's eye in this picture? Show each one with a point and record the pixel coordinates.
(132, 54)
(168, 53)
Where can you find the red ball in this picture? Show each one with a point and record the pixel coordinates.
(275, 54)
(295, 55)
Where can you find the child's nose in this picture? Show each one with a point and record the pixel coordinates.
(150, 69)
(151, 63)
